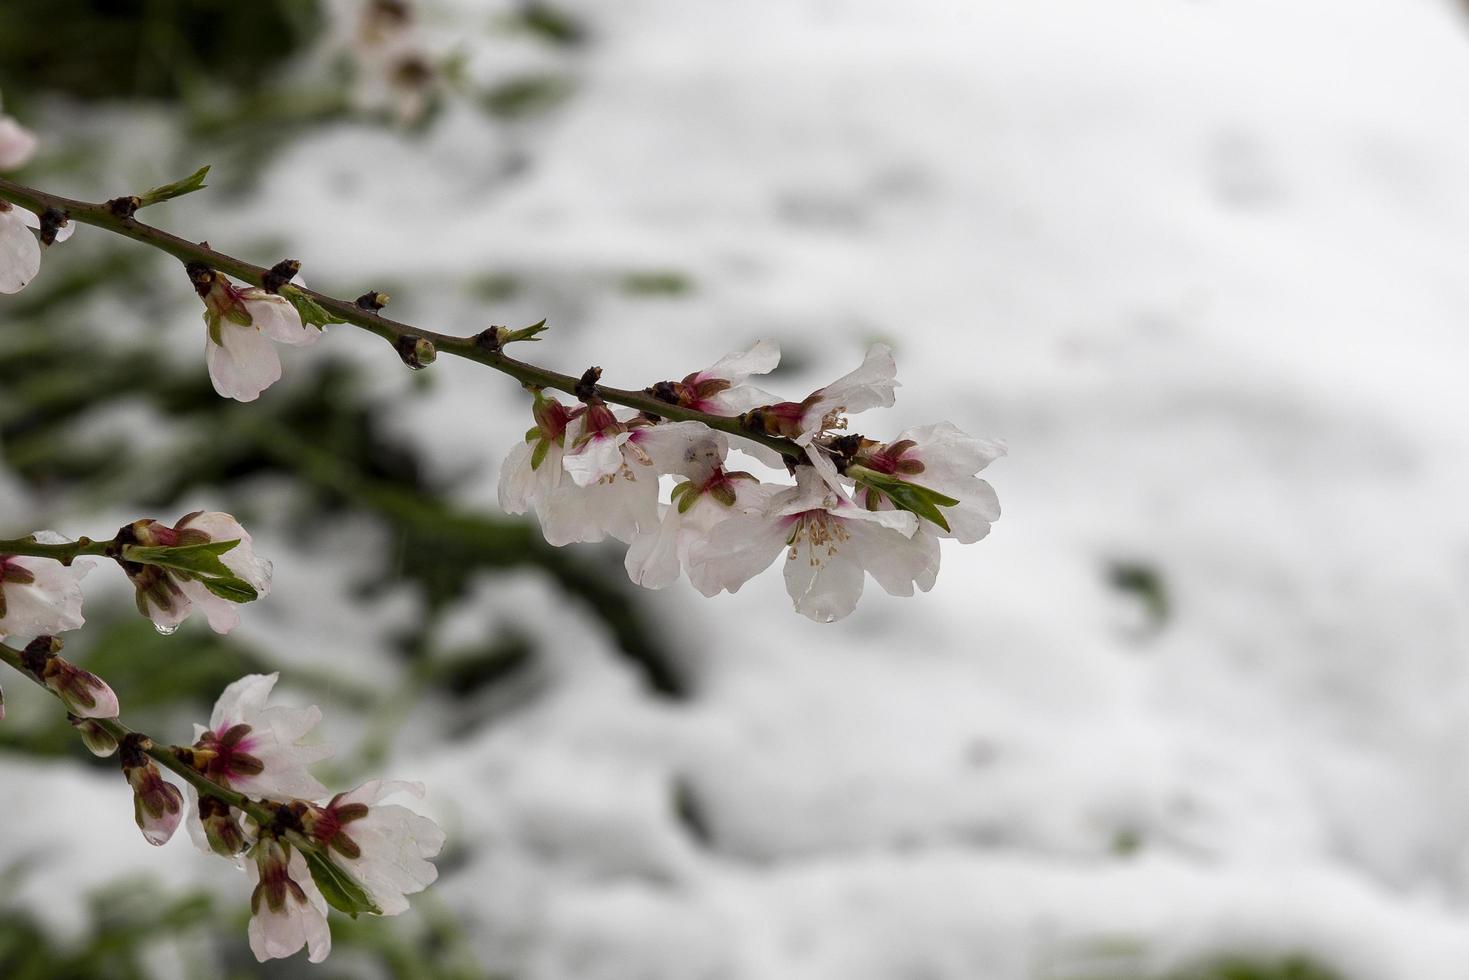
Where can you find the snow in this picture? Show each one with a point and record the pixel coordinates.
(1200, 264)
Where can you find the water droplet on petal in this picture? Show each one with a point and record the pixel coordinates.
(164, 629)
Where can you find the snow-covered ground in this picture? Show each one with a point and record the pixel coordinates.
(1201, 264)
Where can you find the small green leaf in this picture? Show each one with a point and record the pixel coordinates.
(312, 313)
(190, 184)
(233, 589)
(538, 454)
(198, 559)
(906, 496)
(525, 333)
(341, 891)
(198, 562)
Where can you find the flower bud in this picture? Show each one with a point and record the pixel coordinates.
(84, 693)
(98, 740)
(220, 827)
(157, 805)
(416, 352)
(372, 302)
(2, 704)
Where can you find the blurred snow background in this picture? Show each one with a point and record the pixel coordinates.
(1203, 695)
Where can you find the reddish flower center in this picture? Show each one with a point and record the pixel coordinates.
(230, 757)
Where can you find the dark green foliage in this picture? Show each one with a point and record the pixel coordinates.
(1295, 966)
(548, 22)
(527, 95)
(128, 916)
(656, 282)
(109, 49)
(1145, 583)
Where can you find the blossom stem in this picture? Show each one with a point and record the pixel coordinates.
(161, 754)
(64, 552)
(394, 332)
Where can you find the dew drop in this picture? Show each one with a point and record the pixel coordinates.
(165, 630)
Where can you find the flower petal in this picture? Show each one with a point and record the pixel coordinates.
(20, 252)
(243, 364)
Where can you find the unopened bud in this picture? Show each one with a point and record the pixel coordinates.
(98, 740)
(125, 207)
(84, 693)
(52, 221)
(586, 386)
(157, 805)
(416, 352)
(372, 301)
(280, 274)
(220, 827)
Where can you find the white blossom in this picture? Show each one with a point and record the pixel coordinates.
(656, 556)
(614, 468)
(258, 750)
(940, 458)
(533, 469)
(825, 410)
(167, 597)
(20, 252)
(40, 595)
(286, 909)
(17, 144)
(829, 543)
(20, 247)
(241, 356)
(722, 388)
(385, 847)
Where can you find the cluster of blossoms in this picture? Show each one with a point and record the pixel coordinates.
(248, 795)
(858, 505)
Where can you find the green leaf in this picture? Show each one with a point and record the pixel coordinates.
(190, 184)
(906, 496)
(233, 589)
(198, 559)
(312, 313)
(341, 891)
(525, 333)
(200, 562)
(538, 454)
